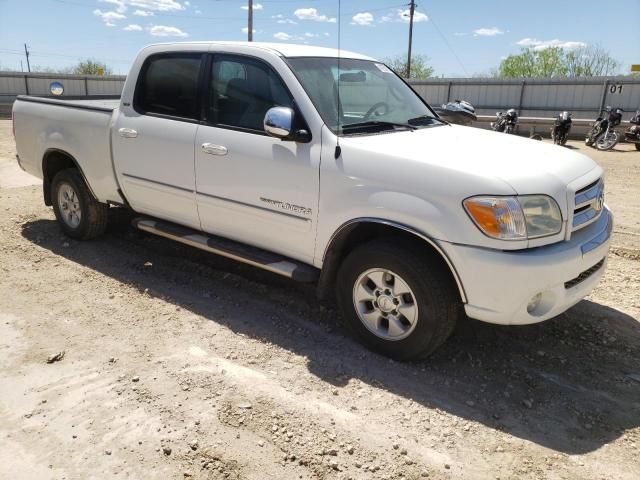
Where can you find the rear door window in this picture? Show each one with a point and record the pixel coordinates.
(168, 85)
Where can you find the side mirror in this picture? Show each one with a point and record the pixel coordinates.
(278, 122)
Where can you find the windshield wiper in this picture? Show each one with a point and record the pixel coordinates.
(425, 120)
(375, 125)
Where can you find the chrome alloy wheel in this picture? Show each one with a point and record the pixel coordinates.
(69, 205)
(385, 304)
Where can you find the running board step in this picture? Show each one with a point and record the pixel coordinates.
(257, 257)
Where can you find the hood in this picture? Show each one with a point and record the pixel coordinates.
(528, 166)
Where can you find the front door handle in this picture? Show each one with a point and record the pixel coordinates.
(213, 149)
(127, 132)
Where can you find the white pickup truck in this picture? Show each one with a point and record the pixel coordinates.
(326, 167)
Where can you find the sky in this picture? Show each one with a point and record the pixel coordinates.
(460, 37)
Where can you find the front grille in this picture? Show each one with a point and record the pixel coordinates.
(584, 275)
(588, 204)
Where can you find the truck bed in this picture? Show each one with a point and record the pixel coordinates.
(77, 128)
(102, 104)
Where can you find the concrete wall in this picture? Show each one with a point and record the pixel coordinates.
(584, 97)
(13, 84)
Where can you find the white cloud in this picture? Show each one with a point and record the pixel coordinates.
(312, 14)
(364, 19)
(245, 30)
(257, 6)
(281, 19)
(404, 15)
(198, 12)
(187, 4)
(154, 5)
(109, 17)
(282, 36)
(311, 35)
(143, 13)
(538, 45)
(167, 31)
(120, 5)
(132, 28)
(460, 34)
(487, 32)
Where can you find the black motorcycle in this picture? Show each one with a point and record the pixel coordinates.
(603, 135)
(561, 128)
(632, 135)
(459, 112)
(505, 122)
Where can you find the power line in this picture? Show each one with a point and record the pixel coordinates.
(444, 39)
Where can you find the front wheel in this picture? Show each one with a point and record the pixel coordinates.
(395, 300)
(607, 141)
(80, 215)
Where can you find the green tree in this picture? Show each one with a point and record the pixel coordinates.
(549, 62)
(420, 68)
(557, 62)
(91, 67)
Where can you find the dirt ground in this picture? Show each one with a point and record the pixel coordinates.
(179, 364)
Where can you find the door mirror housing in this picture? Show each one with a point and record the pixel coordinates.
(278, 122)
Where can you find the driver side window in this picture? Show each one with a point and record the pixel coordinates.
(241, 91)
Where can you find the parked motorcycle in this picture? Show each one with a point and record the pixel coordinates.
(459, 112)
(632, 135)
(603, 135)
(561, 128)
(505, 122)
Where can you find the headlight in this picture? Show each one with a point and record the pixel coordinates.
(515, 218)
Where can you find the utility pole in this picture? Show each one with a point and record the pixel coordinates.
(250, 22)
(412, 9)
(26, 52)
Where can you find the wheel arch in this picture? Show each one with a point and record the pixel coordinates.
(360, 230)
(53, 161)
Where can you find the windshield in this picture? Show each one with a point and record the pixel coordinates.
(371, 96)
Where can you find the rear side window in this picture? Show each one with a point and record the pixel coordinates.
(168, 85)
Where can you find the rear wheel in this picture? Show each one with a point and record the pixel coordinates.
(637, 146)
(395, 300)
(80, 215)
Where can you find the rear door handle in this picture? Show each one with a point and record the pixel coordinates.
(127, 132)
(213, 149)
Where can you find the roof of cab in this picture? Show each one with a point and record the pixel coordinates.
(283, 49)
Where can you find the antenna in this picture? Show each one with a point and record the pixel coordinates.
(338, 149)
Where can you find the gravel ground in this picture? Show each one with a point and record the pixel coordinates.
(178, 364)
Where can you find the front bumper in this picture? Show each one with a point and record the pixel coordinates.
(500, 285)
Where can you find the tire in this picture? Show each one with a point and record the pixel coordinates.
(607, 141)
(432, 292)
(79, 214)
(638, 146)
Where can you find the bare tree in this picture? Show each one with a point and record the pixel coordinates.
(420, 68)
(591, 61)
